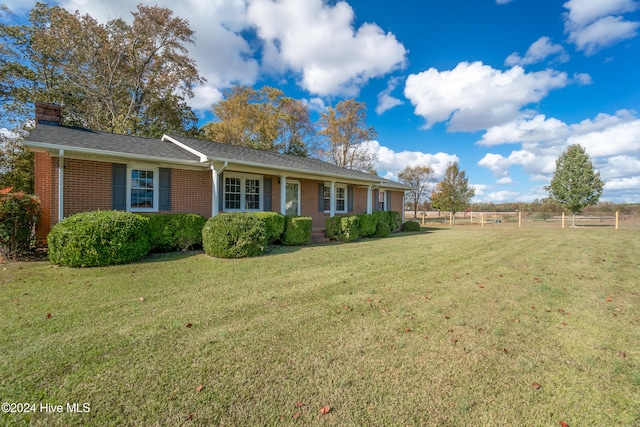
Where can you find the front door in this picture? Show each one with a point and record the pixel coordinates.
(293, 198)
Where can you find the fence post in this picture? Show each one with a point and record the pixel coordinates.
(422, 218)
(482, 219)
(450, 219)
(562, 219)
(616, 220)
(519, 219)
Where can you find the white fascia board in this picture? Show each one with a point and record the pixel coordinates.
(54, 148)
(196, 153)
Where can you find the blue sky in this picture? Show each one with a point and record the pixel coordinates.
(502, 86)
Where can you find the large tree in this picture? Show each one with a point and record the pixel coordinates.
(575, 183)
(453, 193)
(347, 133)
(419, 179)
(129, 78)
(264, 119)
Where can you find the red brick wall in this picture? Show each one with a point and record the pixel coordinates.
(190, 192)
(43, 185)
(87, 186)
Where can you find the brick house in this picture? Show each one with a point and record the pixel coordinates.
(80, 170)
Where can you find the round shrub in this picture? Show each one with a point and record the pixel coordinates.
(411, 226)
(274, 223)
(91, 239)
(350, 228)
(382, 229)
(367, 224)
(234, 235)
(333, 228)
(395, 220)
(297, 230)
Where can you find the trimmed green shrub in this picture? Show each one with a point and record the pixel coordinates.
(19, 213)
(171, 232)
(297, 230)
(333, 228)
(274, 223)
(382, 229)
(395, 220)
(234, 235)
(367, 224)
(411, 226)
(350, 228)
(98, 238)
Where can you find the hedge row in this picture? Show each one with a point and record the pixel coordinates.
(352, 227)
(101, 238)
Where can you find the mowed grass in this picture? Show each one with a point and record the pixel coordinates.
(461, 326)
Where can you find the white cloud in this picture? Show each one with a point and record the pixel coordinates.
(503, 1)
(393, 162)
(618, 139)
(304, 35)
(595, 24)
(540, 50)
(474, 96)
(315, 104)
(505, 181)
(620, 166)
(525, 129)
(385, 101)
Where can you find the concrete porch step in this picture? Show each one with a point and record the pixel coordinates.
(317, 236)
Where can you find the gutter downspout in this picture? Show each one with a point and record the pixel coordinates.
(60, 185)
(214, 187)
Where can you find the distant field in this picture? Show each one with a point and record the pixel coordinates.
(470, 325)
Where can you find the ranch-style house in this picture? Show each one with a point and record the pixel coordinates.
(79, 170)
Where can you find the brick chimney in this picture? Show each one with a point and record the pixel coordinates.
(48, 114)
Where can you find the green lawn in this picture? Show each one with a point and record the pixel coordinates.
(464, 326)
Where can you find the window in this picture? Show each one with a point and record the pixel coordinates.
(341, 197)
(242, 192)
(382, 200)
(142, 189)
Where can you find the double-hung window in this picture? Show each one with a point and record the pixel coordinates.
(243, 192)
(340, 195)
(142, 189)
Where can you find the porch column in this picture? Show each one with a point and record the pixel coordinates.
(283, 195)
(60, 185)
(369, 190)
(214, 191)
(332, 209)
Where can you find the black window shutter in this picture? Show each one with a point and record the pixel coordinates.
(350, 199)
(321, 197)
(375, 199)
(388, 201)
(165, 189)
(220, 195)
(267, 195)
(119, 187)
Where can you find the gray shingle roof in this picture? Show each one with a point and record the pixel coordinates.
(269, 159)
(88, 141)
(107, 143)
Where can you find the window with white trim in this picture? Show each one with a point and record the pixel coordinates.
(341, 197)
(142, 189)
(242, 192)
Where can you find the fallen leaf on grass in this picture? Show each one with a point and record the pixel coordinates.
(325, 410)
(609, 299)
(48, 315)
(190, 417)
(407, 330)
(199, 388)
(299, 404)
(141, 299)
(563, 424)
(296, 415)
(536, 385)
(189, 325)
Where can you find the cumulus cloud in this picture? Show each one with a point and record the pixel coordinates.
(595, 24)
(303, 36)
(474, 96)
(385, 101)
(393, 162)
(540, 50)
(612, 141)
